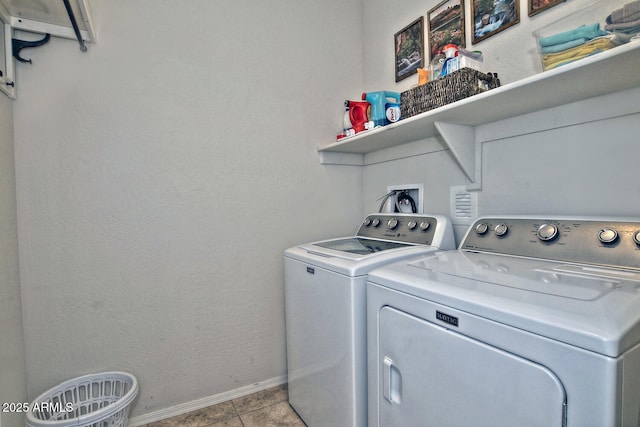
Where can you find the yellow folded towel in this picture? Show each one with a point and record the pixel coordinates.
(552, 60)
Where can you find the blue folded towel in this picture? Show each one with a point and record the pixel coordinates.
(582, 32)
(562, 46)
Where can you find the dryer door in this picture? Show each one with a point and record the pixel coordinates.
(432, 376)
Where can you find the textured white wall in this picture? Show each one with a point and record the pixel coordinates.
(562, 165)
(12, 370)
(572, 160)
(161, 175)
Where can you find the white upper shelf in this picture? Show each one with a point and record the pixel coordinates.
(610, 71)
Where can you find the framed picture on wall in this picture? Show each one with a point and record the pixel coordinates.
(492, 16)
(446, 25)
(409, 47)
(537, 6)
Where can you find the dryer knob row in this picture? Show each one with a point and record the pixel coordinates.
(609, 235)
(499, 230)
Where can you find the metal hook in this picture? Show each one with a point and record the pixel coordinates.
(18, 45)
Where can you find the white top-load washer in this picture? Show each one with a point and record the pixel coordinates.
(325, 301)
(531, 322)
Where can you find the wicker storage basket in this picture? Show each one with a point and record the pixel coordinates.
(450, 88)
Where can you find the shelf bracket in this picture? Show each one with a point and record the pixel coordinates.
(461, 141)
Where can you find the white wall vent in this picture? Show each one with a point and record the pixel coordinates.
(464, 205)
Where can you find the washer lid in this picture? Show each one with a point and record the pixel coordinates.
(381, 239)
(359, 245)
(593, 308)
(354, 256)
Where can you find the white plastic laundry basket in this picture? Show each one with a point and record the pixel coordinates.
(96, 400)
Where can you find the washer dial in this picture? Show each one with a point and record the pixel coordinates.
(547, 232)
(482, 228)
(392, 223)
(636, 237)
(412, 225)
(501, 229)
(424, 225)
(608, 235)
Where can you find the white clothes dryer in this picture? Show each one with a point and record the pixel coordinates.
(533, 322)
(325, 301)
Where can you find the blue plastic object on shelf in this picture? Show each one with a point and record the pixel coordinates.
(378, 101)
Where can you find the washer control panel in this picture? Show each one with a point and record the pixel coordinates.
(588, 241)
(399, 227)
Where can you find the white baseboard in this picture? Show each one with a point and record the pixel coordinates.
(206, 401)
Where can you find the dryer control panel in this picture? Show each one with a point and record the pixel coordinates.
(409, 228)
(588, 241)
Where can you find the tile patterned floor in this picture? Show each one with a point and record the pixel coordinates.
(262, 409)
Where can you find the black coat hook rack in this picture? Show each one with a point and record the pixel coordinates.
(18, 45)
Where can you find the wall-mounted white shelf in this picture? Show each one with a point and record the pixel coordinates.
(607, 72)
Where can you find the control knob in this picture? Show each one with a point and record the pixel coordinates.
(482, 228)
(392, 223)
(501, 230)
(376, 222)
(636, 237)
(412, 225)
(607, 235)
(547, 232)
(424, 225)
(367, 222)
